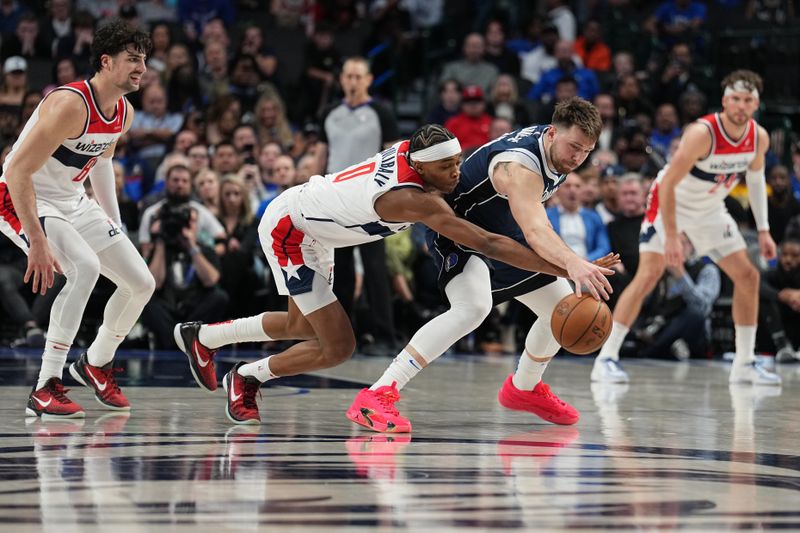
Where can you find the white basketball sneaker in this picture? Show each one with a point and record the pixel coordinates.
(754, 373)
(607, 370)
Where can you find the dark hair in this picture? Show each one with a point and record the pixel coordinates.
(427, 136)
(578, 112)
(177, 166)
(751, 80)
(115, 37)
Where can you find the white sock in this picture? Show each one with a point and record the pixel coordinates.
(232, 331)
(610, 349)
(104, 346)
(529, 372)
(260, 369)
(403, 368)
(745, 344)
(53, 359)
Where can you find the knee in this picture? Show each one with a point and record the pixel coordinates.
(749, 276)
(472, 312)
(646, 279)
(299, 328)
(86, 269)
(338, 351)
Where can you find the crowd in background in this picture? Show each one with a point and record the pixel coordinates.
(244, 100)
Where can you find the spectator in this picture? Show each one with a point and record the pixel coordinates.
(198, 158)
(226, 159)
(26, 41)
(306, 167)
(544, 91)
(245, 81)
(605, 105)
(78, 42)
(541, 58)
(239, 278)
(566, 88)
(245, 140)
(194, 16)
(12, 94)
(322, 59)
(579, 227)
(178, 189)
(667, 128)
(677, 20)
(271, 121)
(186, 273)
(678, 75)
(675, 317)
(472, 69)
(252, 43)
(630, 100)
(154, 126)
(10, 13)
(691, 106)
(129, 211)
(590, 192)
(623, 230)
(782, 204)
(184, 91)
(471, 125)
(206, 185)
(161, 36)
(607, 208)
(213, 77)
(590, 47)
(770, 13)
(58, 24)
(560, 15)
(354, 130)
(780, 298)
(449, 102)
(18, 311)
(505, 102)
(224, 114)
(506, 61)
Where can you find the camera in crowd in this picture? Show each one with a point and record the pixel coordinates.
(174, 217)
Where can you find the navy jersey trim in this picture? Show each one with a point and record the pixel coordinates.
(68, 158)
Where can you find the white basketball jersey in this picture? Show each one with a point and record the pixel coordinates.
(59, 182)
(339, 209)
(702, 192)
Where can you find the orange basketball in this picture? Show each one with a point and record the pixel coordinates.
(581, 325)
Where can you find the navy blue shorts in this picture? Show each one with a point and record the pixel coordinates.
(508, 282)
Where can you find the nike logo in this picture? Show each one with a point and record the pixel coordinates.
(43, 404)
(101, 386)
(234, 396)
(200, 361)
(414, 364)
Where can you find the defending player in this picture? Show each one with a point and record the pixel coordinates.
(299, 231)
(503, 187)
(688, 196)
(43, 209)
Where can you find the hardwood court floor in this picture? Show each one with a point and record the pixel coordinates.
(675, 449)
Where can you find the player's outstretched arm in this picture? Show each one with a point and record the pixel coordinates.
(524, 189)
(695, 144)
(62, 115)
(433, 211)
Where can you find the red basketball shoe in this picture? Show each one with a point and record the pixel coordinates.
(375, 410)
(101, 380)
(201, 359)
(51, 402)
(241, 397)
(541, 401)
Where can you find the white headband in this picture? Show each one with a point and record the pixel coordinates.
(740, 86)
(442, 150)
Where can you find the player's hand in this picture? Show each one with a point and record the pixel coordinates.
(607, 261)
(41, 267)
(584, 273)
(673, 251)
(767, 245)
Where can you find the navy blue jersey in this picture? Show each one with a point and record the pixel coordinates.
(476, 199)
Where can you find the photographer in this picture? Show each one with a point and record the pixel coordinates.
(186, 271)
(178, 189)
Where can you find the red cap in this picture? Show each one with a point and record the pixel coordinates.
(472, 92)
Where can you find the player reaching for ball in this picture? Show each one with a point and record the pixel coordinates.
(299, 231)
(499, 186)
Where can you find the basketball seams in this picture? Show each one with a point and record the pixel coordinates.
(590, 322)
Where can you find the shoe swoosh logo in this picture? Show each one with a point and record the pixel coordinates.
(43, 404)
(101, 386)
(234, 396)
(200, 361)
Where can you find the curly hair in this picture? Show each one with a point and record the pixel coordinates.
(578, 112)
(750, 79)
(115, 37)
(427, 136)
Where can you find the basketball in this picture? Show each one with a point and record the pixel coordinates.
(581, 325)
